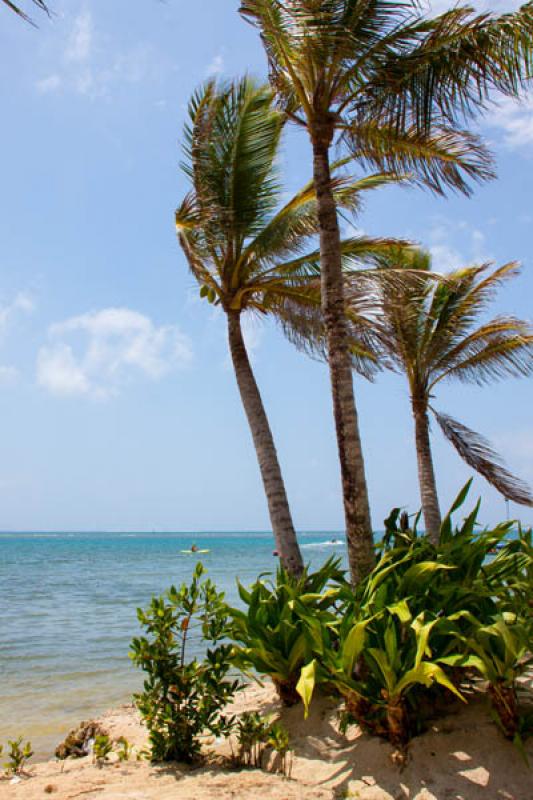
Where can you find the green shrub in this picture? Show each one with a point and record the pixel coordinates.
(425, 617)
(283, 624)
(18, 756)
(252, 731)
(279, 741)
(102, 749)
(124, 749)
(181, 698)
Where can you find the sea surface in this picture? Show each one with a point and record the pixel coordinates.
(68, 613)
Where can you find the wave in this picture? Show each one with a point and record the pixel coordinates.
(328, 543)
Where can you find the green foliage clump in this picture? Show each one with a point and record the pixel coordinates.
(182, 698)
(124, 749)
(18, 755)
(252, 734)
(102, 749)
(278, 631)
(424, 621)
(279, 741)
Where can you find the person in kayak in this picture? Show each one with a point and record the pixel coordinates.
(194, 549)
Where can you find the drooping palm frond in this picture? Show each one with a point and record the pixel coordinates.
(21, 13)
(477, 452)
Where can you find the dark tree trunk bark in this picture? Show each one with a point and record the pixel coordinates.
(354, 487)
(278, 506)
(426, 473)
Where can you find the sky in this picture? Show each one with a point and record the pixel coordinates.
(118, 404)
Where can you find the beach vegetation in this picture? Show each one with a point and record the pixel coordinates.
(251, 731)
(102, 749)
(184, 697)
(395, 87)
(278, 630)
(427, 619)
(124, 749)
(18, 755)
(431, 332)
(280, 742)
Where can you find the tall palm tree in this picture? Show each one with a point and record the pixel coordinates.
(394, 86)
(430, 333)
(18, 10)
(249, 255)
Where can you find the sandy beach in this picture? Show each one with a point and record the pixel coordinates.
(462, 757)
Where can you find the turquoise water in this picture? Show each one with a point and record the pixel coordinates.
(68, 613)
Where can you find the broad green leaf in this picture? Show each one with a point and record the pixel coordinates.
(426, 673)
(353, 645)
(401, 610)
(306, 684)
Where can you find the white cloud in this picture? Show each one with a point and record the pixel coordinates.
(446, 255)
(50, 84)
(94, 354)
(215, 67)
(91, 65)
(494, 6)
(22, 303)
(79, 43)
(515, 119)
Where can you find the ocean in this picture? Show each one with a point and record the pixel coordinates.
(68, 613)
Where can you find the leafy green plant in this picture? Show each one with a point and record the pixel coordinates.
(283, 624)
(279, 741)
(182, 698)
(124, 749)
(499, 653)
(18, 756)
(252, 734)
(102, 749)
(423, 620)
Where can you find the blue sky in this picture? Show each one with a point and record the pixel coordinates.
(118, 405)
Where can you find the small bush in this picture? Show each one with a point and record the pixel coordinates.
(281, 625)
(252, 735)
(18, 756)
(124, 749)
(102, 749)
(279, 741)
(182, 698)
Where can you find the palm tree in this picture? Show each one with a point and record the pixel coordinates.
(394, 87)
(249, 257)
(18, 10)
(430, 333)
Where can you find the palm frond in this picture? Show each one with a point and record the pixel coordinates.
(446, 158)
(451, 67)
(477, 452)
(18, 10)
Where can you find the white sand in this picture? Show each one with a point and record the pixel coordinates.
(463, 757)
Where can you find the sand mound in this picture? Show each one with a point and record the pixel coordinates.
(462, 757)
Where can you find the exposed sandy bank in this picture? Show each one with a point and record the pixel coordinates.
(463, 757)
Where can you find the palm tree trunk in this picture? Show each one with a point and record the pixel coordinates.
(354, 487)
(278, 506)
(426, 473)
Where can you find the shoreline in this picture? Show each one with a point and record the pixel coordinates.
(462, 755)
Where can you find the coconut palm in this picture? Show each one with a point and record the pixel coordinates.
(249, 255)
(394, 86)
(430, 332)
(18, 10)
